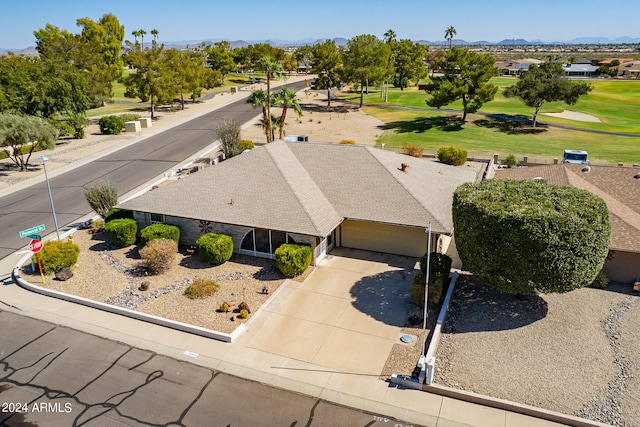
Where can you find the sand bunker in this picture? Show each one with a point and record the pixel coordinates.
(574, 115)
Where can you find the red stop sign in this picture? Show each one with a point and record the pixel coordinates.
(35, 245)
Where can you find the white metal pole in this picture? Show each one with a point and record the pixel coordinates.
(53, 209)
(426, 291)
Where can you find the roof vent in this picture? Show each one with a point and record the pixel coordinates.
(637, 176)
(586, 169)
(537, 178)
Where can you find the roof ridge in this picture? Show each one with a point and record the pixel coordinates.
(277, 150)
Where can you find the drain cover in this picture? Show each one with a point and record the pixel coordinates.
(406, 338)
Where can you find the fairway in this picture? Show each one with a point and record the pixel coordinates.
(616, 103)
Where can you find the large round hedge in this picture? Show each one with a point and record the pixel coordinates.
(525, 237)
(56, 255)
(215, 248)
(122, 231)
(159, 231)
(292, 260)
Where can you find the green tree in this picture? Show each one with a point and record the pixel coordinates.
(272, 68)
(228, 132)
(465, 77)
(186, 69)
(449, 33)
(220, 57)
(546, 83)
(326, 62)
(303, 55)
(259, 98)
(525, 237)
(286, 99)
(407, 60)
(365, 61)
(21, 136)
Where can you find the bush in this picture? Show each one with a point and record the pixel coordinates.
(246, 144)
(224, 308)
(413, 150)
(56, 255)
(347, 142)
(215, 248)
(452, 155)
(115, 213)
(292, 260)
(159, 231)
(600, 281)
(243, 314)
(511, 160)
(111, 125)
(97, 226)
(122, 231)
(158, 254)
(201, 288)
(102, 197)
(130, 117)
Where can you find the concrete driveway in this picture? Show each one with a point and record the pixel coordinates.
(346, 316)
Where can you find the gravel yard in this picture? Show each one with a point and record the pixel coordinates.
(572, 353)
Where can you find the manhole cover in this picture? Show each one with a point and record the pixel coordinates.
(406, 339)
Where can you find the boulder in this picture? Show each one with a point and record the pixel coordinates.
(64, 274)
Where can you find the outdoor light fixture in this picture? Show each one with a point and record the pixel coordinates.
(44, 159)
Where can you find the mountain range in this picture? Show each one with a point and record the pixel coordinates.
(340, 41)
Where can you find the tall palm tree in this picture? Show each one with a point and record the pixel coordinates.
(135, 34)
(154, 33)
(389, 36)
(449, 33)
(259, 98)
(272, 69)
(286, 99)
(142, 33)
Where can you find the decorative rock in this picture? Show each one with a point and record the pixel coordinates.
(144, 286)
(244, 306)
(64, 274)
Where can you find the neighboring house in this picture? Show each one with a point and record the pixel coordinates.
(514, 68)
(607, 62)
(580, 70)
(619, 187)
(629, 70)
(323, 195)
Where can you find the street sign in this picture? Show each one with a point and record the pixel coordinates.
(32, 230)
(35, 245)
(35, 236)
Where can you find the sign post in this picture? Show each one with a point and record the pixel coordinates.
(35, 246)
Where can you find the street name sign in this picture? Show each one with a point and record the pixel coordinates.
(32, 230)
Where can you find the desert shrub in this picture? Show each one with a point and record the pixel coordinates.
(115, 213)
(56, 255)
(413, 150)
(111, 125)
(246, 144)
(601, 280)
(348, 142)
(102, 197)
(511, 160)
(201, 288)
(292, 260)
(158, 254)
(122, 231)
(159, 231)
(243, 314)
(215, 248)
(452, 155)
(64, 128)
(224, 308)
(97, 226)
(130, 117)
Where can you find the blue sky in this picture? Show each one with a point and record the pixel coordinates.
(491, 20)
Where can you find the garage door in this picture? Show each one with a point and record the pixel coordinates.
(392, 239)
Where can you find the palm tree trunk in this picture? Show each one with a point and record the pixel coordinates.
(282, 120)
(268, 123)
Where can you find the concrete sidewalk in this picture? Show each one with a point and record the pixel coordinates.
(360, 390)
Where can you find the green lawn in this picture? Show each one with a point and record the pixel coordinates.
(615, 103)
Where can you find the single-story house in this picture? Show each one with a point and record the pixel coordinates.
(514, 68)
(323, 195)
(619, 187)
(629, 69)
(580, 70)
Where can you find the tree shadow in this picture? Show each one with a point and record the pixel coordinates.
(512, 125)
(476, 307)
(423, 124)
(384, 296)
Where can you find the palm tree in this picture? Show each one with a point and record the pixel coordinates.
(154, 33)
(449, 33)
(272, 68)
(286, 99)
(142, 33)
(135, 34)
(259, 99)
(389, 36)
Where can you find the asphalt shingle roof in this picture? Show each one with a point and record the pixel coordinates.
(310, 188)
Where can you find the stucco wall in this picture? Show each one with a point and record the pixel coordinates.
(623, 266)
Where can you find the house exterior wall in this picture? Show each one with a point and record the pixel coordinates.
(622, 266)
(387, 238)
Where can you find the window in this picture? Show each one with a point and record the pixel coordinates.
(157, 218)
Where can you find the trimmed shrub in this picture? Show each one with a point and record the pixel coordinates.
(215, 248)
(244, 314)
(158, 254)
(111, 125)
(292, 260)
(201, 288)
(452, 155)
(347, 142)
(130, 117)
(413, 150)
(246, 144)
(159, 231)
(116, 213)
(97, 226)
(511, 160)
(224, 308)
(601, 281)
(102, 197)
(56, 255)
(122, 231)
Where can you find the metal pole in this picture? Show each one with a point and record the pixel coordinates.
(53, 209)
(426, 291)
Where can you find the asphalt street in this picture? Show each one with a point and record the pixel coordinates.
(127, 169)
(58, 377)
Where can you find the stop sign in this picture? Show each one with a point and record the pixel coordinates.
(35, 245)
